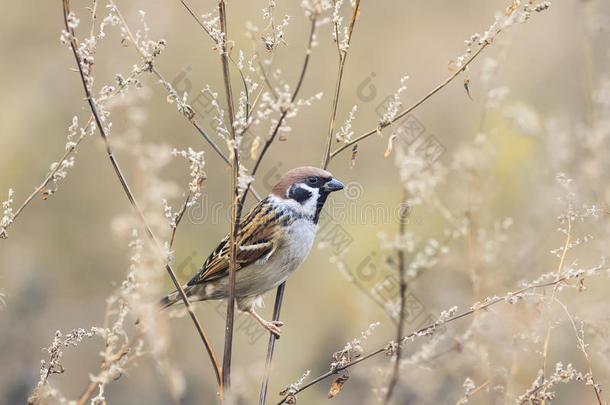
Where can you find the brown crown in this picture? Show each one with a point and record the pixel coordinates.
(296, 175)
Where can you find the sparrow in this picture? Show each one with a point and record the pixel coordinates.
(272, 242)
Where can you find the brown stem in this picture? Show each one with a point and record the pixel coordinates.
(382, 125)
(333, 111)
(277, 306)
(425, 331)
(403, 289)
(235, 201)
(179, 218)
(279, 296)
(280, 121)
(46, 181)
(131, 198)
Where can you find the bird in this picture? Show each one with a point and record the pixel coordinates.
(272, 242)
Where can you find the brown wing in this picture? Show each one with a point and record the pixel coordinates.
(257, 239)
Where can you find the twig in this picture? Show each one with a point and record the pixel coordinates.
(382, 125)
(547, 338)
(277, 306)
(280, 121)
(465, 398)
(130, 196)
(583, 348)
(186, 110)
(46, 181)
(179, 218)
(333, 111)
(235, 201)
(403, 289)
(279, 295)
(425, 331)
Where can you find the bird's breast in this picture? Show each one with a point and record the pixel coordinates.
(298, 239)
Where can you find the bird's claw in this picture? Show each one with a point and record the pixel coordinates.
(274, 327)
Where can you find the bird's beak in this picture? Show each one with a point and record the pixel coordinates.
(333, 185)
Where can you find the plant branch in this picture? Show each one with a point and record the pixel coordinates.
(333, 111)
(279, 295)
(186, 110)
(70, 151)
(547, 338)
(130, 196)
(277, 306)
(428, 330)
(280, 121)
(235, 201)
(448, 80)
(403, 289)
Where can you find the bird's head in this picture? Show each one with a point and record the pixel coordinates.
(306, 188)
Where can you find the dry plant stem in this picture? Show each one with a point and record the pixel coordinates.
(93, 385)
(168, 86)
(382, 125)
(333, 110)
(191, 115)
(235, 201)
(277, 306)
(422, 331)
(280, 121)
(279, 295)
(548, 326)
(49, 177)
(127, 190)
(127, 347)
(403, 289)
(179, 218)
(465, 398)
(583, 349)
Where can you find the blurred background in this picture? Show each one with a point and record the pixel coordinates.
(483, 216)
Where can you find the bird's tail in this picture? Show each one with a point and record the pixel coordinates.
(170, 300)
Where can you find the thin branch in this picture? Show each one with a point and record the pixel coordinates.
(382, 125)
(547, 338)
(190, 115)
(280, 121)
(279, 295)
(333, 111)
(131, 198)
(235, 201)
(179, 218)
(47, 180)
(583, 348)
(428, 330)
(465, 398)
(403, 289)
(186, 110)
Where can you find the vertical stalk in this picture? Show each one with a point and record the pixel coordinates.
(333, 111)
(131, 198)
(235, 202)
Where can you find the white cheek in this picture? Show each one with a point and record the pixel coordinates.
(310, 205)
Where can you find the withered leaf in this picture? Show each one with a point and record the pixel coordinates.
(466, 86)
(352, 160)
(389, 148)
(337, 385)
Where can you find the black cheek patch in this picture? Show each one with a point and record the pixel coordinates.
(299, 194)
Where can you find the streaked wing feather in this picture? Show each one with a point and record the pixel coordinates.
(257, 239)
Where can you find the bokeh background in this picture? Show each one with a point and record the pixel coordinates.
(65, 255)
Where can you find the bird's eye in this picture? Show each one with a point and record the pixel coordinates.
(312, 180)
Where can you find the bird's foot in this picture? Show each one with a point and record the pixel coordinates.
(273, 327)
